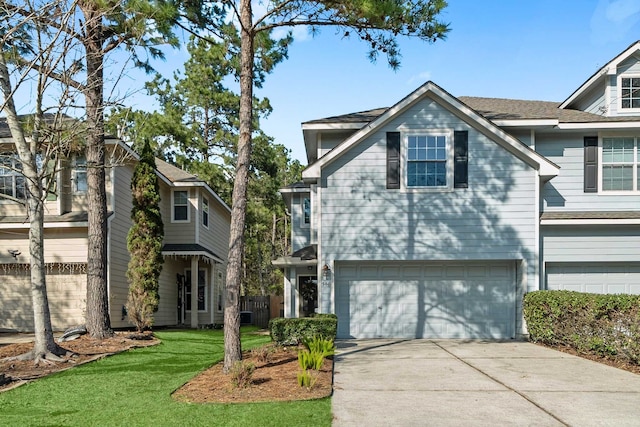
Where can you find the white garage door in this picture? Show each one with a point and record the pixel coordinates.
(597, 278)
(426, 300)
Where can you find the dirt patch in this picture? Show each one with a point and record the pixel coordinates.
(272, 380)
(620, 364)
(84, 349)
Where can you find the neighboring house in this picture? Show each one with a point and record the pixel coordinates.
(434, 217)
(196, 226)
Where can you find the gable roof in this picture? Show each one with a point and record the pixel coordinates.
(545, 167)
(610, 68)
(177, 177)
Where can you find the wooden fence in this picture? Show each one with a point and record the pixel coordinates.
(255, 311)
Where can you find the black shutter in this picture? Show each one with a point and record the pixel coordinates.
(590, 164)
(393, 160)
(460, 159)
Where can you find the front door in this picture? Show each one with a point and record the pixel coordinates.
(308, 286)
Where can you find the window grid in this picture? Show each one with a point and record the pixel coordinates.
(427, 161)
(630, 95)
(205, 212)
(12, 182)
(620, 164)
(180, 206)
(80, 174)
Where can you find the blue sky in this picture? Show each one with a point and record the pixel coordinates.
(535, 49)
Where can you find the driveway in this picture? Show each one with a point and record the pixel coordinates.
(477, 383)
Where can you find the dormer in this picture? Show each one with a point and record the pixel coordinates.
(614, 90)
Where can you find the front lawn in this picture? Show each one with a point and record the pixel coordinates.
(134, 389)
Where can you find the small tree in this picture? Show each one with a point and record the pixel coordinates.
(144, 242)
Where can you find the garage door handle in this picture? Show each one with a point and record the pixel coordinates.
(379, 308)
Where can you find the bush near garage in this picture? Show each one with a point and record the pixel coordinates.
(602, 325)
(296, 330)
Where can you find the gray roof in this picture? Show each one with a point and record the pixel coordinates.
(66, 217)
(189, 248)
(174, 173)
(497, 109)
(307, 253)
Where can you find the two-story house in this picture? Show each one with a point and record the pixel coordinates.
(433, 218)
(196, 226)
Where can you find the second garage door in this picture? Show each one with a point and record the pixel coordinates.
(426, 300)
(594, 277)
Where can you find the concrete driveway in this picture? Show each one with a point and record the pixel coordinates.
(477, 383)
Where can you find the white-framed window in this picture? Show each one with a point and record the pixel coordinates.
(79, 173)
(180, 206)
(12, 181)
(428, 160)
(220, 288)
(205, 212)
(305, 220)
(629, 95)
(619, 162)
(202, 290)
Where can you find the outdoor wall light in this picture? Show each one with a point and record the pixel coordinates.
(326, 272)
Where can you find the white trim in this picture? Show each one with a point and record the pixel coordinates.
(526, 123)
(333, 126)
(201, 254)
(173, 212)
(591, 221)
(14, 225)
(599, 125)
(635, 165)
(537, 256)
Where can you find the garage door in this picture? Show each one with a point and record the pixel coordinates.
(598, 278)
(419, 300)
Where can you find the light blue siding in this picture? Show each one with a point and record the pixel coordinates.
(330, 140)
(493, 219)
(566, 191)
(591, 243)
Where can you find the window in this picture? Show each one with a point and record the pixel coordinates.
(205, 212)
(80, 174)
(181, 206)
(202, 290)
(12, 181)
(306, 212)
(620, 164)
(630, 92)
(428, 161)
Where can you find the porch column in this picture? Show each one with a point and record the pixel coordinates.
(194, 292)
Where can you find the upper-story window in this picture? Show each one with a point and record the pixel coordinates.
(306, 212)
(205, 212)
(429, 161)
(630, 92)
(180, 204)
(80, 174)
(620, 160)
(12, 182)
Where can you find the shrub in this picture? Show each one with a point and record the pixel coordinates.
(263, 353)
(605, 325)
(294, 331)
(320, 345)
(242, 373)
(310, 360)
(307, 379)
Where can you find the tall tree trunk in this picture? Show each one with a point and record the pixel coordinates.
(45, 346)
(98, 322)
(232, 346)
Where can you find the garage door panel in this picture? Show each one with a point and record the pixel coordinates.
(599, 278)
(427, 301)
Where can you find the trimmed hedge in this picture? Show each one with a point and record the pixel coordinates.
(606, 325)
(295, 330)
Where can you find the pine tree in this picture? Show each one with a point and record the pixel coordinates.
(144, 242)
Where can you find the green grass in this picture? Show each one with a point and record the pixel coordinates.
(134, 389)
